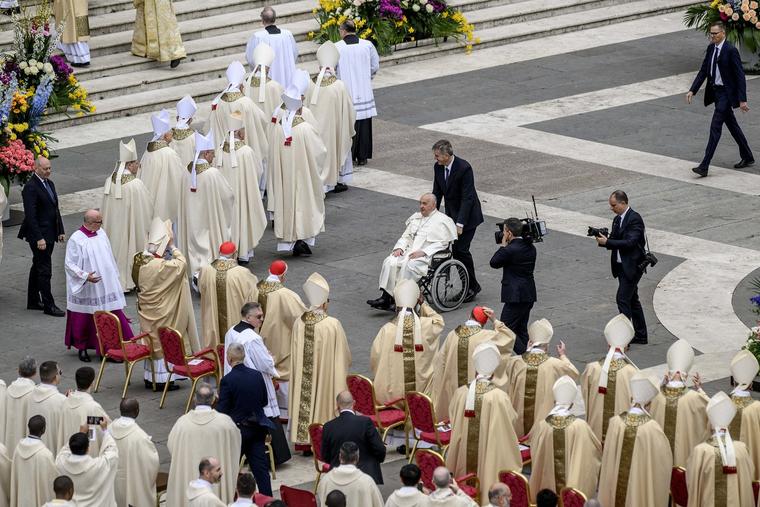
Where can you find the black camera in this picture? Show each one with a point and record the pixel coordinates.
(650, 260)
(533, 229)
(598, 231)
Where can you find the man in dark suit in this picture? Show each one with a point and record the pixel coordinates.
(517, 257)
(42, 227)
(727, 88)
(454, 184)
(349, 427)
(243, 396)
(626, 245)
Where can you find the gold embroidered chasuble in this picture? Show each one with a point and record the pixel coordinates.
(711, 485)
(601, 407)
(156, 34)
(281, 308)
(682, 414)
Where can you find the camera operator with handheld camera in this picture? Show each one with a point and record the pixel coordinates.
(517, 257)
(628, 259)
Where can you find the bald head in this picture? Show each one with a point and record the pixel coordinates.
(92, 216)
(499, 494)
(129, 407)
(268, 16)
(42, 167)
(441, 477)
(235, 354)
(345, 401)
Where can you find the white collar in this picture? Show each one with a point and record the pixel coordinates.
(273, 278)
(451, 163)
(202, 408)
(347, 467)
(637, 411)
(47, 386)
(622, 216)
(720, 46)
(78, 457)
(675, 384)
(128, 421)
(243, 501)
(407, 491)
(741, 393)
(200, 483)
(472, 323)
(348, 410)
(39, 178)
(537, 350)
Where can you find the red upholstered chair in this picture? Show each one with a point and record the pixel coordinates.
(315, 436)
(177, 362)
(518, 485)
(297, 497)
(220, 354)
(422, 415)
(261, 500)
(385, 417)
(524, 453)
(111, 344)
(570, 497)
(678, 491)
(428, 461)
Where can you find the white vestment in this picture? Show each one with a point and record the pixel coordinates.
(85, 255)
(360, 489)
(200, 494)
(32, 473)
(16, 415)
(93, 478)
(80, 405)
(138, 464)
(285, 53)
(430, 234)
(357, 65)
(46, 401)
(161, 170)
(257, 357)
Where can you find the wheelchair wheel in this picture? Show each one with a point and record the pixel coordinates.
(449, 285)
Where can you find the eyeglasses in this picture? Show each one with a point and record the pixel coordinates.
(714, 34)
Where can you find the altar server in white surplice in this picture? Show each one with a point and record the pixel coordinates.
(357, 66)
(427, 232)
(283, 43)
(331, 105)
(127, 212)
(207, 203)
(183, 140)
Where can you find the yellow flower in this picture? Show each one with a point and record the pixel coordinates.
(446, 13)
(411, 29)
(311, 35)
(366, 33)
(477, 40)
(45, 153)
(13, 137)
(36, 149)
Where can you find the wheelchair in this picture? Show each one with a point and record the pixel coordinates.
(446, 283)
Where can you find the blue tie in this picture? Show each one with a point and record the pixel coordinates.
(47, 188)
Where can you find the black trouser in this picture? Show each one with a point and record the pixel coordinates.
(39, 276)
(460, 250)
(627, 299)
(515, 316)
(253, 439)
(361, 146)
(725, 114)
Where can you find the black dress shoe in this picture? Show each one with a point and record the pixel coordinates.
(744, 163)
(54, 311)
(33, 306)
(81, 65)
(301, 248)
(160, 385)
(175, 63)
(12, 10)
(84, 357)
(340, 187)
(702, 171)
(361, 161)
(640, 341)
(401, 449)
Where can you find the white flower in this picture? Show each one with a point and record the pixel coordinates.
(404, 4)
(416, 8)
(337, 11)
(47, 68)
(429, 8)
(23, 65)
(40, 65)
(357, 19)
(34, 70)
(28, 70)
(32, 62)
(357, 3)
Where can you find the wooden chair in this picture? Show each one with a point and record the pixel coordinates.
(298, 497)
(315, 436)
(571, 497)
(162, 479)
(112, 345)
(385, 417)
(422, 416)
(678, 491)
(518, 485)
(428, 460)
(177, 362)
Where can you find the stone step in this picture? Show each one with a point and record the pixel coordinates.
(204, 79)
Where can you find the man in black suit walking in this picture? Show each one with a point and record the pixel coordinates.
(42, 227)
(626, 245)
(349, 427)
(727, 87)
(454, 183)
(517, 257)
(243, 396)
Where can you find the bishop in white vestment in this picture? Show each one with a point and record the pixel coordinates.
(281, 41)
(183, 139)
(259, 86)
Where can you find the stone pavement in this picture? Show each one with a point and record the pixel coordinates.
(567, 120)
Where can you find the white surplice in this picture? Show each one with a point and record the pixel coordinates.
(285, 53)
(85, 255)
(357, 65)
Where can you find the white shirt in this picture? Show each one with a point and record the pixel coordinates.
(285, 54)
(241, 502)
(717, 79)
(622, 217)
(357, 65)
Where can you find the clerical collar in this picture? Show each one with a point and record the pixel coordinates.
(676, 384)
(47, 386)
(537, 350)
(347, 467)
(242, 326)
(472, 323)
(637, 411)
(33, 437)
(128, 421)
(78, 457)
(87, 232)
(243, 501)
(351, 39)
(272, 29)
(407, 491)
(200, 483)
(348, 410)
(202, 408)
(273, 278)
(741, 393)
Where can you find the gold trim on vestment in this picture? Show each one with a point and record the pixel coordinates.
(533, 360)
(310, 319)
(559, 424)
(82, 25)
(157, 145)
(463, 352)
(473, 427)
(407, 342)
(608, 409)
(222, 266)
(265, 287)
(200, 166)
(256, 80)
(740, 402)
(232, 96)
(720, 477)
(138, 261)
(126, 177)
(672, 395)
(180, 134)
(327, 81)
(632, 423)
(238, 144)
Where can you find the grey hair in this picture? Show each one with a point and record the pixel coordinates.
(432, 196)
(236, 353)
(496, 492)
(441, 477)
(443, 146)
(204, 394)
(248, 308)
(268, 15)
(27, 368)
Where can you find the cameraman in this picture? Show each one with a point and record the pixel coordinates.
(517, 257)
(626, 244)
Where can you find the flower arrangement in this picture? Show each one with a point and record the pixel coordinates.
(753, 340)
(741, 18)
(33, 82)
(389, 22)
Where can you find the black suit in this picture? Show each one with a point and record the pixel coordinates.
(518, 288)
(243, 396)
(628, 238)
(726, 97)
(42, 220)
(349, 427)
(461, 203)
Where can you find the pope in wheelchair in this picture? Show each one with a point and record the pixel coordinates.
(427, 232)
